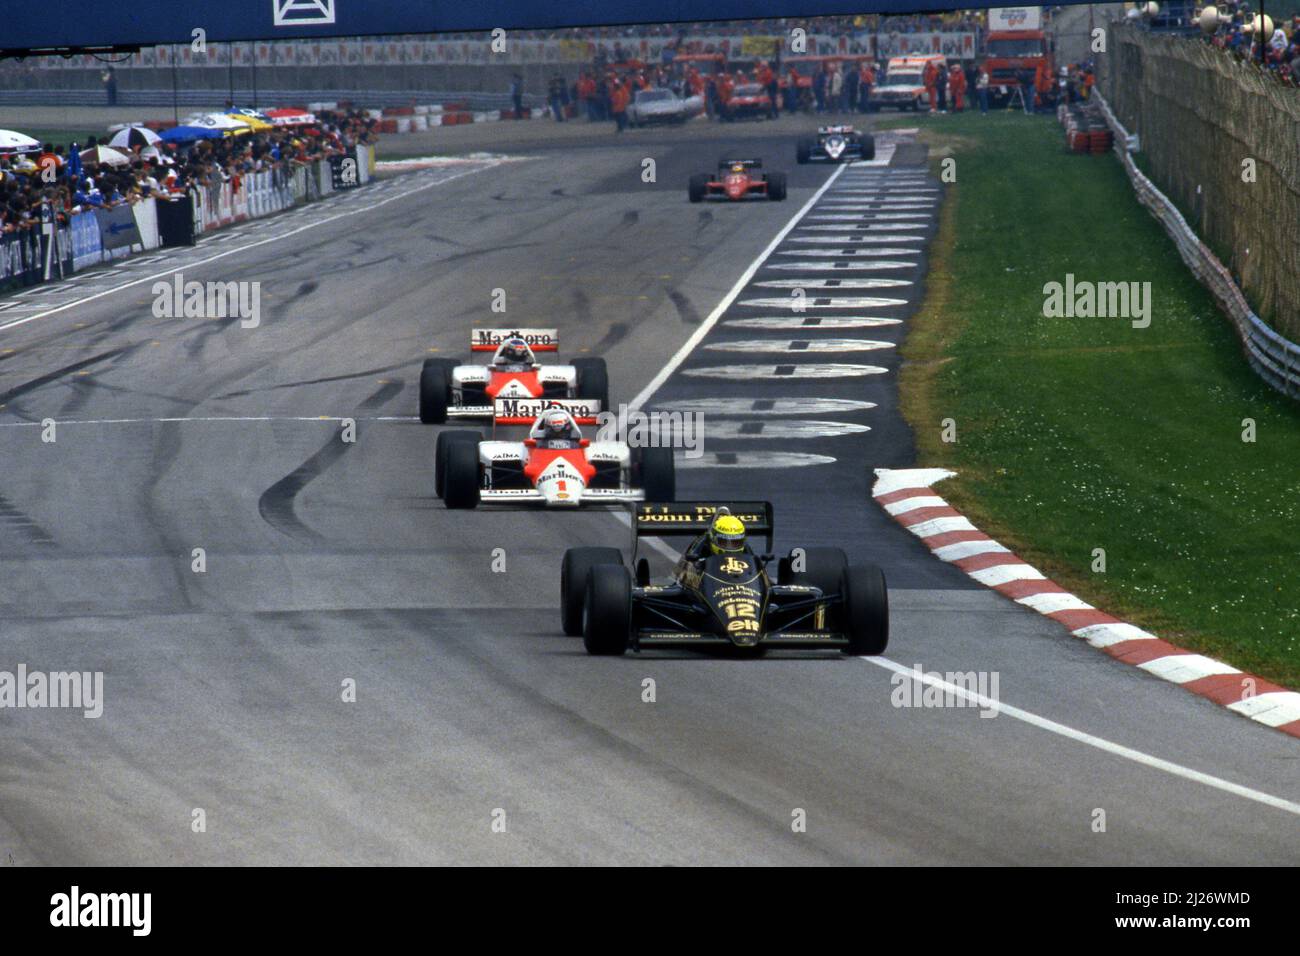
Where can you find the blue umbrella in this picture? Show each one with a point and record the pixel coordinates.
(187, 134)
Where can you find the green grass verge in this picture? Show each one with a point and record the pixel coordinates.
(1077, 434)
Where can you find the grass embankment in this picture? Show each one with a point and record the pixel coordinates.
(1085, 433)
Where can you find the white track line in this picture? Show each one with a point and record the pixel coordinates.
(707, 325)
(244, 248)
(1100, 743)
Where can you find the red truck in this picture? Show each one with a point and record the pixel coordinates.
(1016, 43)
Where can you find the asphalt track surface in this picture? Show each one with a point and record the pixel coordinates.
(329, 561)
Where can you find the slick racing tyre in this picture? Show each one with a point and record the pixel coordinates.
(445, 440)
(654, 472)
(573, 582)
(592, 380)
(607, 610)
(804, 150)
(868, 146)
(462, 482)
(776, 186)
(865, 611)
(822, 568)
(435, 390)
(697, 187)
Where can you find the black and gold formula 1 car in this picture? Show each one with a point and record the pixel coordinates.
(744, 602)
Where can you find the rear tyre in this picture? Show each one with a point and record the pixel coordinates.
(776, 186)
(654, 471)
(823, 568)
(435, 390)
(462, 482)
(607, 610)
(804, 150)
(445, 441)
(573, 582)
(868, 146)
(699, 184)
(592, 380)
(865, 610)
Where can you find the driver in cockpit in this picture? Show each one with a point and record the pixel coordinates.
(555, 428)
(514, 355)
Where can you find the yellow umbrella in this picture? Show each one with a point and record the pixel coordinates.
(255, 120)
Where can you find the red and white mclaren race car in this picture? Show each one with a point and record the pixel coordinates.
(450, 389)
(554, 466)
(737, 179)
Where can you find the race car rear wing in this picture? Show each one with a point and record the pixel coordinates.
(524, 411)
(679, 518)
(539, 340)
(747, 163)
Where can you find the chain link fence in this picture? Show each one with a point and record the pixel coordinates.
(1207, 124)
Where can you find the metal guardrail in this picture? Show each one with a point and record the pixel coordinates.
(216, 98)
(1274, 358)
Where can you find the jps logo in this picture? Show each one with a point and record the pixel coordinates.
(733, 566)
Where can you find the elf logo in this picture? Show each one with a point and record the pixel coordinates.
(103, 909)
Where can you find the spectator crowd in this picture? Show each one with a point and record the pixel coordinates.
(29, 181)
(1281, 50)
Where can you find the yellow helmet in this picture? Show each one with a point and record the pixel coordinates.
(727, 535)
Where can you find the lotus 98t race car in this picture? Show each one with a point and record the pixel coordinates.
(837, 144)
(721, 594)
(449, 389)
(737, 179)
(554, 466)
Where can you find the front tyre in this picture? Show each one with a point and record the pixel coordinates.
(776, 186)
(435, 390)
(607, 610)
(868, 146)
(654, 471)
(592, 380)
(445, 441)
(464, 476)
(573, 582)
(803, 151)
(822, 569)
(865, 611)
(697, 187)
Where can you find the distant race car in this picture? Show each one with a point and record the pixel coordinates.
(554, 466)
(837, 144)
(662, 105)
(720, 598)
(449, 389)
(748, 100)
(737, 179)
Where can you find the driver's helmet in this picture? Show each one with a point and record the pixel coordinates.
(514, 351)
(727, 534)
(555, 425)
(737, 167)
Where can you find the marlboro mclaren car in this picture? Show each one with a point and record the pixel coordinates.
(737, 179)
(837, 144)
(449, 389)
(554, 466)
(722, 598)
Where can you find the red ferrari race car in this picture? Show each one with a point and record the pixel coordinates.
(449, 389)
(748, 100)
(737, 179)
